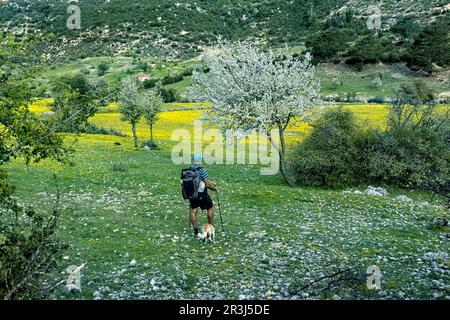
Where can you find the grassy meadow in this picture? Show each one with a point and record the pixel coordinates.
(122, 203)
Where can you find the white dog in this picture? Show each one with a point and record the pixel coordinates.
(208, 233)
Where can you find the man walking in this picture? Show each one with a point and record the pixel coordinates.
(203, 201)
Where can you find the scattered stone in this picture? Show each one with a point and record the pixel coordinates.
(71, 288)
(403, 198)
(133, 263)
(97, 295)
(219, 296)
(105, 289)
(376, 192)
(435, 283)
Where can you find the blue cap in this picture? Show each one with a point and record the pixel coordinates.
(198, 158)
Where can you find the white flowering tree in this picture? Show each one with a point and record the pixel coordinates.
(252, 89)
(151, 108)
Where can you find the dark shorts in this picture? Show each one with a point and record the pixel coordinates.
(204, 203)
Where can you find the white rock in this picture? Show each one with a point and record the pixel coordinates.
(242, 297)
(66, 258)
(403, 199)
(377, 192)
(133, 263)
(382, 293)
(97, 294)
(71, 288)
(105, 289)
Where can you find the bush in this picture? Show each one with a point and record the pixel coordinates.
(172, 79)
(29, 248)
(93, 129)
(378, 99)
(151, 145)
(413, 151)
(168, 95)
(150, 83)
(102, 68)
(323, 159)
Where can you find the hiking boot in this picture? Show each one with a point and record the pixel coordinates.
(196, 233)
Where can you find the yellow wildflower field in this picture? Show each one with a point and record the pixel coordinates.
(41, 106)
(169, 121)
(183, 116)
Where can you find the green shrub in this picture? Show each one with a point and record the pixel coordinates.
(29, 248)
(325, 157)
(150, 83)
(102, 68)
(168, 95)
(151, 145)
(93, 129)
(412, 152)
(172, 79)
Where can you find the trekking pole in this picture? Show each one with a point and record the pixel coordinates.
(220, 213)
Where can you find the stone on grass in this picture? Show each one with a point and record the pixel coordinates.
(403, 198)
(133, 263)
(376, 192)
(69, 288)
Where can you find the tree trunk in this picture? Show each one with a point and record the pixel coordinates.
(151, 133)
(134, 135)
(282, 154)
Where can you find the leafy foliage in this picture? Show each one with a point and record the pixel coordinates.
(431, 46)
(325, 158)
(130, 102)
(28, 245)
(74, 101)
(29, 248)
(413, 151)
(151, 108)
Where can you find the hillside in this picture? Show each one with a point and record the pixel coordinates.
(183, 28)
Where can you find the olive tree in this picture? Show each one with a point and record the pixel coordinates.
(151, 108)
(252, 89)
(130, 102)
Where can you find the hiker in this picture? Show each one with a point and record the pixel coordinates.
(202, 199)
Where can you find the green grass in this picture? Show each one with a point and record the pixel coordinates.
(122, 204)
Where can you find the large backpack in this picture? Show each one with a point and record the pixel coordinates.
(190, 182)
